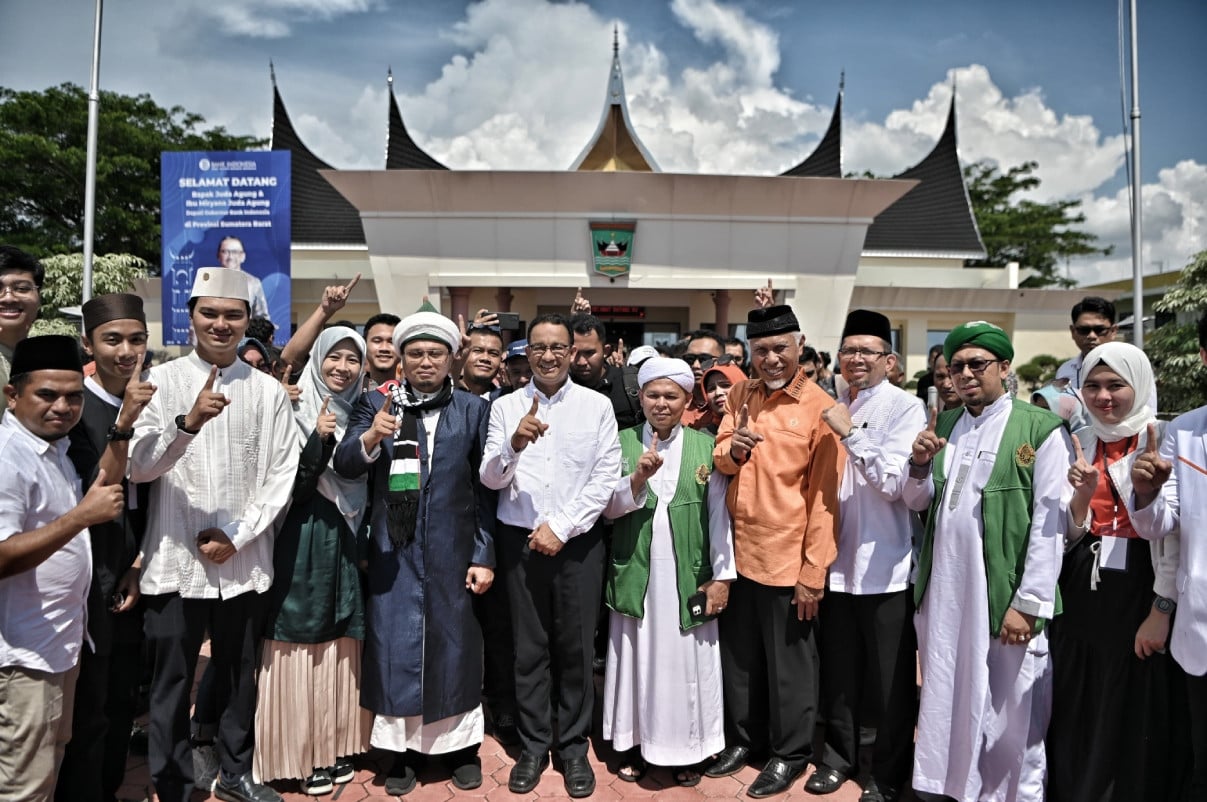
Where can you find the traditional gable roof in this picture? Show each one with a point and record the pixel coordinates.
(935, 217)
(615, 146)
(319, 214)
(826, 159)
(401, 151)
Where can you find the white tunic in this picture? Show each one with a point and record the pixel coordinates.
(662, 689)
(985, 706)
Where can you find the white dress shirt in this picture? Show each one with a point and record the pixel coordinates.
(566, 477)
(876, 528)
(42, 610)
(236, 475)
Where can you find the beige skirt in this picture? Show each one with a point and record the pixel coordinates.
(308, 709)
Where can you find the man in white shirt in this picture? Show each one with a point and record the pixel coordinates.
(219, 443)
(867, 638)
(45, 562)
(553, 453)
(231, 255)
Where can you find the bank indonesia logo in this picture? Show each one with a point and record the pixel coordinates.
(204, 164)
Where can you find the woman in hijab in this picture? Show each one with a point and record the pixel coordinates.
(308, 716)
(1117, 731)
(670, 567)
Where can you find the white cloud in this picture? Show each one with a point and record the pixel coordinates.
(270, 19)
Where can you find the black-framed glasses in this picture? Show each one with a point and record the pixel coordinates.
(1086, 331)
(977, 366)
(707, 361)
(862, 353)
(540, 349)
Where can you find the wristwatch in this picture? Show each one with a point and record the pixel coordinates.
(182, 427)
(115, 434)
(1164, 605)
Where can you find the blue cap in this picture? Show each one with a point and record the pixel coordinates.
(516, 349)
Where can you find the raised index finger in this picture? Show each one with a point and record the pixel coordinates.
(744, 417)
(355, 280)
(1151, 446)
(933, 420)
(287, 375)
(654, 442)
(212, 384)
(1078, 454)
(536, 403)
(326, 401)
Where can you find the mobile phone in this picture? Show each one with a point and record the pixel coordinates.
(697, 606)
(508, 321)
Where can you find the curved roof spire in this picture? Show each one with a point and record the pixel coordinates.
(615, 146)
(826, 159)
(401, 151)
(936, 215)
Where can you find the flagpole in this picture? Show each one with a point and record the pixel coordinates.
(94, 100)
(1137, 201)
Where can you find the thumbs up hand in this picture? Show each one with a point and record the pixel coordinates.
(927, 443)
(529, 429)
(103, 501)
(1150, 471)
(647, 466)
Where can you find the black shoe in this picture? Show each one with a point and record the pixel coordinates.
(244, 789)
(526, 773)
(825, 780)
(401, 779)
(318, 783)
(731, 760)
(578, 776)
(776, 777)
(505, 731)
(343, 771)
(875, 792)
(468, 775)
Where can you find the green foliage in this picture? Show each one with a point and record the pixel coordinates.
(1039, 371)
(1036, 235)
(43, 151)
(1173, 349)
(114, 272)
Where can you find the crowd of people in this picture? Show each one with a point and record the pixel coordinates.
(397, 535)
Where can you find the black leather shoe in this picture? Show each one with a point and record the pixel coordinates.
(776, 777)
(731, 760)
(875, 792)
(578, 776)
(825, 780)
(244, 789)
(526, 773)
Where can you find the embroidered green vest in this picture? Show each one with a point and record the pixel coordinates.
(1005, 507)
(629, 569)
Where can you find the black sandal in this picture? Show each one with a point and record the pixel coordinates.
(687, 777)
(634, 764)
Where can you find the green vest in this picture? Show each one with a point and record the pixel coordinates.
(629, 569)
(1005, 507)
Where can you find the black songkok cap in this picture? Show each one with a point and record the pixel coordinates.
(864, 321)
(770, 321)
(48, 352)
(115, 306)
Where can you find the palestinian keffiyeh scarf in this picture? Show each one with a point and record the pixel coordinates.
(402, 498)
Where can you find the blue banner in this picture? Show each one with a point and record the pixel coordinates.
(225, 209)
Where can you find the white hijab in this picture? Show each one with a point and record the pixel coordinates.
(348, 495)
(1133, 367)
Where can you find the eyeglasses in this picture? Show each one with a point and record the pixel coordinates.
(540, 349)
(1086, 331)
(707, 361)
(419, 354)
(862, 353)
(977, 366)
(230, 252)
(20, 289)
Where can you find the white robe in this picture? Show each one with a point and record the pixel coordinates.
(985, 706)
(662, 689)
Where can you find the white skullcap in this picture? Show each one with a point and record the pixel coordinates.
(661, 367)
(427, 326)
(220, 282)
(641, 353)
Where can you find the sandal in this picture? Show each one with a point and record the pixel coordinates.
(632, 766)
(687, 777)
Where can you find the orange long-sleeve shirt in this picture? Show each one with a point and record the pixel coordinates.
(784, 498)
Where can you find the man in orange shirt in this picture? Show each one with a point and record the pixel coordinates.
(786, 464)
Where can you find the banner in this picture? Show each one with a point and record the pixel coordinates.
(225, 209)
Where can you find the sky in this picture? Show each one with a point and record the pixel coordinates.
(714, 86)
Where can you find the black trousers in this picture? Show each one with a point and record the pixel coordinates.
(553, 604)
(175, 629)
(94, 763)
(1196, 693)
(868, 655)
(498, 647)
(770, 672)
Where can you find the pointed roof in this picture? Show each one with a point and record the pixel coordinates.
(319, 214)
(401, 151)
(615, 146)
(936, 215)
(826, 159)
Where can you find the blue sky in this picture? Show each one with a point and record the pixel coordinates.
(743, 86)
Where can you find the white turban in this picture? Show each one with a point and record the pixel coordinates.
(427, 326)
(661, 367)
(221, 282)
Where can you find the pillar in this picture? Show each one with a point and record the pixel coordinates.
(720, 300)
(459, 297)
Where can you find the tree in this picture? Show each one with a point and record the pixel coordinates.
(1173, 348)
(43, 148)
(1036, 235)
(1039, 371)
(63, 286)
